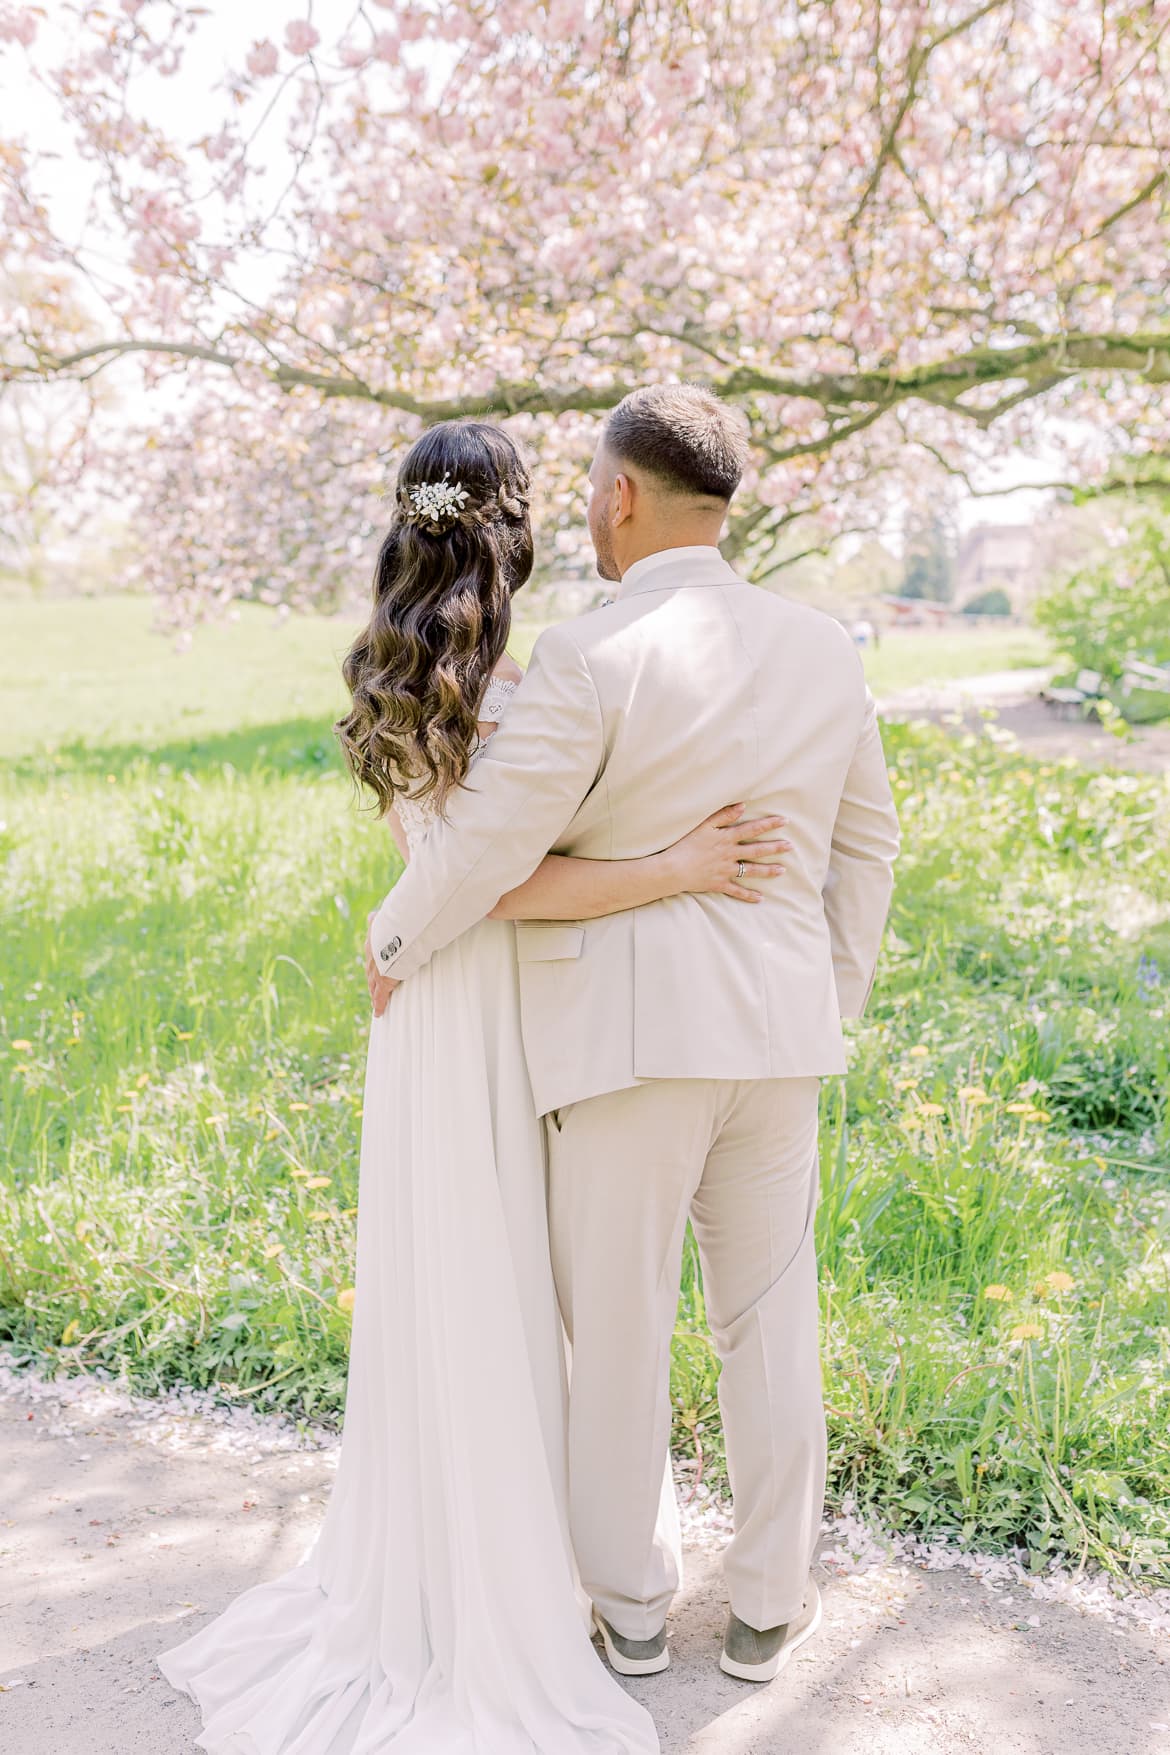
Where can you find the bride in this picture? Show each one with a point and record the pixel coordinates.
(438, 1610)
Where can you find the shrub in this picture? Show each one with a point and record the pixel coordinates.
(1117, 608)
(993, 602)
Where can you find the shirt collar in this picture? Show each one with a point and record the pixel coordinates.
(696, 558)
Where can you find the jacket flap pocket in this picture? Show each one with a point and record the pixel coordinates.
(545, 942)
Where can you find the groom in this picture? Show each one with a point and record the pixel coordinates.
(676, 1050)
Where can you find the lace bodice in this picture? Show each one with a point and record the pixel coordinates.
(417, 814)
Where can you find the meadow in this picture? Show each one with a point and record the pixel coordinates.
(184, 877)
(90, 672)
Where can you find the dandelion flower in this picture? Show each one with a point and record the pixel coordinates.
(931, 1109)
(318, 1182)
(1059, 1281)
(183, 1035)
(998, 1294)
(346, 1297)
(920, 1050)
(973, 1094)
(317, 1217)
(298, 1106)
(272, 1249)
(21, 1044)
(1027, 1331)
(1018, 1108)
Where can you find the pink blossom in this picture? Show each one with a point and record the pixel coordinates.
(572, 205)
(18, 27)
(301, 38)
(562, 19)
(220, 145)
(263, 59)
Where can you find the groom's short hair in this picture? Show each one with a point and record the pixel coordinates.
(682, 435)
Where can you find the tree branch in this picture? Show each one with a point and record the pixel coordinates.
(916, 65)
(1143, 195)
(1037, 364)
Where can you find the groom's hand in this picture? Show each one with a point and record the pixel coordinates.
(381, 986)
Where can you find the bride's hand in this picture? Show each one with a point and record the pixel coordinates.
(381, 986)
(723, 855)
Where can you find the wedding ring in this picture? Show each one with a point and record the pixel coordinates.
(741, 871)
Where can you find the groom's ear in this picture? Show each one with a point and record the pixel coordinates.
(622, 497)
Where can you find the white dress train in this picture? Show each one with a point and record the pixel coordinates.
(437, 1611)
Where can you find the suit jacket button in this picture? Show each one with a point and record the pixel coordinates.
(392, 949)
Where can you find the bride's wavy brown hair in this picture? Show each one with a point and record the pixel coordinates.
(443, 588)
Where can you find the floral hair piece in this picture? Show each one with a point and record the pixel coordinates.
(437, 503)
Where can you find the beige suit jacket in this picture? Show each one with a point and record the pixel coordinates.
(634, 723)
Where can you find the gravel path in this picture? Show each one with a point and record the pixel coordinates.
(983, 689)
(122, 1519)
(1014, 698)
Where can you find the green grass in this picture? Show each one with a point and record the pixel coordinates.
(182, 1042)
(93, 671)
(994, 1227)
(911, 656)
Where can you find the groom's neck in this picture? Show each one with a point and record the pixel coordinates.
(704, 534)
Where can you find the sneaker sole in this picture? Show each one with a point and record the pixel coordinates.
(629, 1666)
(767, 1672)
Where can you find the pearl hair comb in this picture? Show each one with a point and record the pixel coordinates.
(437, 503)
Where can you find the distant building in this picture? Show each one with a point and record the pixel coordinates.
(998, 556)
(918, 612)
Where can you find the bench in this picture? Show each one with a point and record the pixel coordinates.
(1145, 691)
(1140, 675)
(1079, 699)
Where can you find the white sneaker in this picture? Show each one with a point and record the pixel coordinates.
(632, 1657)
(753, 1656)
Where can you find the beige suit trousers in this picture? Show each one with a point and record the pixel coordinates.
(626, 1169)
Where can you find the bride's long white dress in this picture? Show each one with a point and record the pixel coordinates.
(437, 1611)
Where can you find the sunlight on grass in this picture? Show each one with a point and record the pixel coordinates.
(93, 671)
(182, 1047)
(911, 656)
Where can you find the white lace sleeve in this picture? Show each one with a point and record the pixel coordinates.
(495, 701)
(417, 815)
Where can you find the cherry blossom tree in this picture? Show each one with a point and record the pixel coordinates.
(905, 235)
